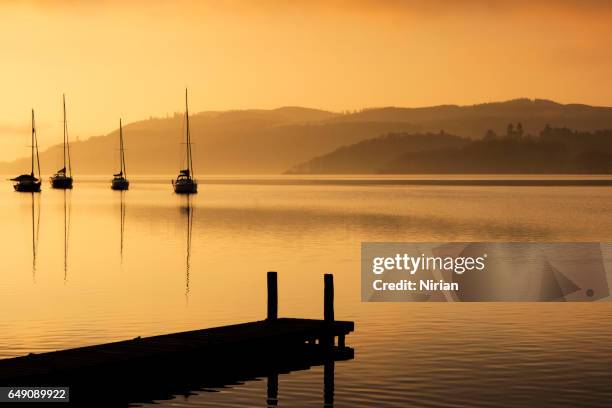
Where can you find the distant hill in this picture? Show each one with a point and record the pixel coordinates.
(505, 156)
(369, 156)
(473, 121)
(554, 150)
(236, 142)
(272, 141)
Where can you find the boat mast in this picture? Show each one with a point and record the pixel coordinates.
(35, 146)
(189, 161)
(32, 145)
(121, 152)
(66, 143)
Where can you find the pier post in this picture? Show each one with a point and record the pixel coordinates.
(328, 297)
(272, 296)
(327, 340)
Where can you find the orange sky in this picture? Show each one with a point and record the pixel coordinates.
(132, 59)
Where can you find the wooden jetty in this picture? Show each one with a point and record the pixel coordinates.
(157, 367)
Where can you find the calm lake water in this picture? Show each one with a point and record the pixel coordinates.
(111, 266)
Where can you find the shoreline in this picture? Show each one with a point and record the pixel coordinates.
(374, 180)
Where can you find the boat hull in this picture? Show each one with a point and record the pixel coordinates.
(185, 187)
(27, 187)
(120, 184)
(61, 182)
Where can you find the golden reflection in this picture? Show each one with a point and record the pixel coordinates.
(188, 210)
(67, 211)
(121, 223)
(35, 216)
(235, 233)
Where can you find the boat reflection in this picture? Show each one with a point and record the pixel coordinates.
(188, 211)
(35, 218)
(121, 222)
(67, 211)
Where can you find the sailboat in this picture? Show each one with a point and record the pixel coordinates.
(120, 182)
(185, 183)
(27, 182)
(63, 177)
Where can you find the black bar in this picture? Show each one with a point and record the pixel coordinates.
(272, 296)
(328, 298)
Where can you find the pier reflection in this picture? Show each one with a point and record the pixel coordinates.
(272, 390)
(194, 382)
(328, 386)
(328, 383)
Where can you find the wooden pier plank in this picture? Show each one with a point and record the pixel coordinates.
(263, 333)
